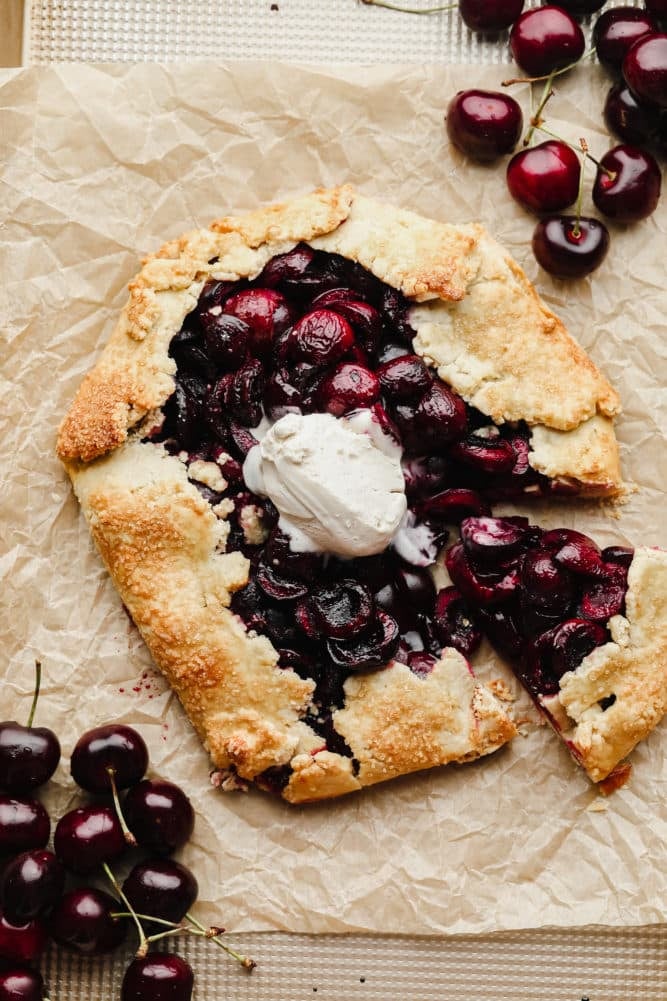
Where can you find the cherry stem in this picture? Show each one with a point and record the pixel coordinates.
(548, 76)
(114, 882)
(38, 682)
(213, 935)
(536, 119)
(127, 833)
(611, 174)
(148, 917)
(576, 232)
(409, 10)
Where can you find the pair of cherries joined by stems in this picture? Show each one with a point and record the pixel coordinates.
(548, 177)
(35, 904)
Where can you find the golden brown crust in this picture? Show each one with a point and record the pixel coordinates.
(632, 668)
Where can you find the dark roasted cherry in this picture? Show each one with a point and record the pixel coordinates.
(564, 647)
(545, 39)
(484, 124)
(404, 378)
(24, 824)
(292, 563)
(362, 317)
(424, 475)
(370, 650)
(645, 69)
(416, 588)
(226, 338)
(604, 595)
(30, 885)
(633, 121)
(160, 815)
(490, 541)
(436, 420)
(627, 184)
(281, 396)
(159, 976)
(419, 539)
(289, 267)
(574, 551)
(545, 585)
(112, 747)
(491, 455)
(161, 888)
(276, 586)
(321, 337)
(453, 505)
(622, 555)
(267, 314)
(477, 588)
(88, 836)
(22, 943)
(349, 387)
(342, 609)
(616, 30)
(490, 15)
(19, 984)
(453, 623)
(82, 921)
(545, 178)
(570, 247)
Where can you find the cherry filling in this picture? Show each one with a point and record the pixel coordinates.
(315, 332)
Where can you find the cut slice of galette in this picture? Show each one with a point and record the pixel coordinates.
(293, 411)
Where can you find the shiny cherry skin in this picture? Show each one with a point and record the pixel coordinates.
(24, 824)
(545, 39)
(490, 15)
(570, 248)
(634, 122)
(30, 885)
(545, 178)
(159, 976)
(633, 191)
(161, 888)
(645, 69)
(19, 984)
(22, 943)
(616, 30)
(82, 921)
(160, 815)
(28, 756)
(484, 124)
(88, 836)
(115, 747)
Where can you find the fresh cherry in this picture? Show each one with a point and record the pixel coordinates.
(30, 885)
(645, 69)
(82, 921)
(627, 185)
(616, 30)
(24, 824)
(634, 122)
(490, 15)
(570, 247)
(161, 888)
(160, 815)
(88, 836)
(28, 755)
(22, 943)
(158, 977)
(484, 124)
(18, 984)
(545, 39)
(581, 8)
(545, 178)
(115, 748)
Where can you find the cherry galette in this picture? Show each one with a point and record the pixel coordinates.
(297, 412)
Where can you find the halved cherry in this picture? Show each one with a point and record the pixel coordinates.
(369, 650)
(493, 540)
(453, 623)
(342, 609)
(453, 505)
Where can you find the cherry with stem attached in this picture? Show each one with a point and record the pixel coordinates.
(28, 755)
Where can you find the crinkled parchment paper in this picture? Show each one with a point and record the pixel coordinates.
(103, 164)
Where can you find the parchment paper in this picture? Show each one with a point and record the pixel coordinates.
(103, 164)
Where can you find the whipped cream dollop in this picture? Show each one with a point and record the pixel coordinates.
(337, 483)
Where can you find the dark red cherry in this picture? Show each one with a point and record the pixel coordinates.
(627, 184)
(490, 15)
(349, 387)
(24, 824)
(616, 30)
(645, 69)
(658, 8)
(581, 8)
(161, 888)
(287, 267)
(267, 314)
(160, 815)
(22, 943)
(564, 647)
(491, 455)
(545, 178)
(112, 747)
(476, 588)
(570, 247)
(633, 121)
(226, 338)
(342, 609)
(18, 984)
(281, 396)
(371, 649)
(574, 551)
(30, 885)
(453, 623)
(88, 836)
(438, 419)
(453, 505)
(490, 541)
(623, 555)
(82, 921)
(159, 976)
(28, 756)
(321, 338)
(404, 378)
(604, 596)
(545, 39)
(546, 586)
(424, 475)
(484, 124)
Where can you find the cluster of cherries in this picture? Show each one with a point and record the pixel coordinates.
(315, 332)
(548, 177)
(37, 904)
